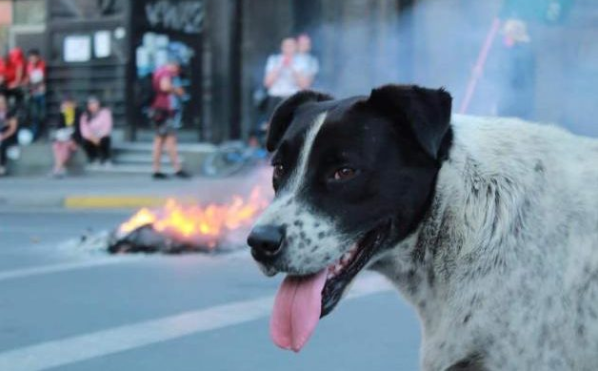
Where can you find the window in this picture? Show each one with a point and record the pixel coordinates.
(29, 12)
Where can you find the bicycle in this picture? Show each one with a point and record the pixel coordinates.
(231, 157)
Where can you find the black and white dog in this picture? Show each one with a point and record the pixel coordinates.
(488, 226)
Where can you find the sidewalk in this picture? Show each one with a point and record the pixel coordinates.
(120, 192)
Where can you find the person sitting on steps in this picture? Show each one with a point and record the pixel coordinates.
(8, 132)
(96, 128)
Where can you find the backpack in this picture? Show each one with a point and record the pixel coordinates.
(144, 92)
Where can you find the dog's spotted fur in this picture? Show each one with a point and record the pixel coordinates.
(502, 267)
(506, 262)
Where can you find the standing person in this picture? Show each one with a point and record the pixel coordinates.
(36, 83)
(166, 115)
(308, 62)
(67, 137)
(517, 72)
(96, 128)
(15, 77)
(8, 132)
(2, 75)
(284, 76)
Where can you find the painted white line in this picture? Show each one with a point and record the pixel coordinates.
(97, 344)
(110, 260)
(57, 268)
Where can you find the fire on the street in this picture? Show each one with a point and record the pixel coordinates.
(177, 226)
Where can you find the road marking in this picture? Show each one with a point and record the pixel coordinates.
(118, 339)
(57, 268)
(110, 260)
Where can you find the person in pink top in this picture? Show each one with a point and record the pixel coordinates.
(96, 127)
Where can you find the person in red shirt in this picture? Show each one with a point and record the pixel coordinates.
(166, 116)
(15, 76)
(35, 80)
(2, 75)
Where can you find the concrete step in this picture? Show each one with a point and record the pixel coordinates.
(117, 169)
(129, 158)
(147, 147)
(138, 158)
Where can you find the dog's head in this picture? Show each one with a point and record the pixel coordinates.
(352, 177)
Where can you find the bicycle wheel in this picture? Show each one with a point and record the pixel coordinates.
(225, 161)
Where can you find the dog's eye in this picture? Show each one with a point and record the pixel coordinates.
(278, 171)
(344, 173)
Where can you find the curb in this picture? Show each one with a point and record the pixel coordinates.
(111, 202)
(118, 202)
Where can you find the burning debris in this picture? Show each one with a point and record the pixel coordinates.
(177, 228)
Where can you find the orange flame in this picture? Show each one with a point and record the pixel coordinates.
(194, 223)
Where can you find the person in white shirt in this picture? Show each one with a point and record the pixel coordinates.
(285, 75)
(307, 61)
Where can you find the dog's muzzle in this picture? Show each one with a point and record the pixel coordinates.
(266, 242)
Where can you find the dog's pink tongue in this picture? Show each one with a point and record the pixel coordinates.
(297, 310)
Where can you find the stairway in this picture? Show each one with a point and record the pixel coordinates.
(136, 158)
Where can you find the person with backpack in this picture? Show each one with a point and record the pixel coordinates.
(166, 114)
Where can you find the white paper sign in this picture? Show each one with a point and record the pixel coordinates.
(101, 44)
(77, 48)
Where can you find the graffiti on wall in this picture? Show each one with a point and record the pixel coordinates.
(182, 16)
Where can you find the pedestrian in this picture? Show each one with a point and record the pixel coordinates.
(8, 132)
(516, 72)
(2, 75)
(96, 128)
(166, 117)
(15, 78)
(284, 76)
(36, 85)
(307, 61)
(67, 136)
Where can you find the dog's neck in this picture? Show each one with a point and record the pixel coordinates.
(420, 267)
(465, 225)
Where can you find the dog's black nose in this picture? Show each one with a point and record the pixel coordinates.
(266, 240)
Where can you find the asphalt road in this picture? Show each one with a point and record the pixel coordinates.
(62, 308)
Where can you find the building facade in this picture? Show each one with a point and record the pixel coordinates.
(108, 47)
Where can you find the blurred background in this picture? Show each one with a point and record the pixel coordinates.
(101, 100)
(359, 44)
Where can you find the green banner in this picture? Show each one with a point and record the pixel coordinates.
(550, 11)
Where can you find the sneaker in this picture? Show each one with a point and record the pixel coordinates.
(107, 164)
(58, 174)
(182, 174)
(2, 171)
(160, 176)
(93, 165)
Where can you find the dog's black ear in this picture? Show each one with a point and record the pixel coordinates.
(284, 113)
(427, 112)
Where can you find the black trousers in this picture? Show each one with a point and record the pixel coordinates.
(8, 142)
(101, 151)
(273, 103)
(261, 126)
